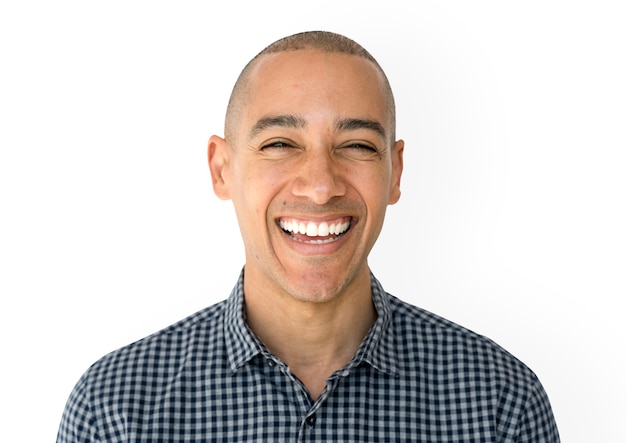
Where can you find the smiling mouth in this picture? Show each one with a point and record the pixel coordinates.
(317, 233)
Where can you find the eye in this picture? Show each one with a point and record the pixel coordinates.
(278, 148)
(361, 146)
(278, 144)
(358, 150)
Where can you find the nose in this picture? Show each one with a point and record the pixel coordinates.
(318, 178)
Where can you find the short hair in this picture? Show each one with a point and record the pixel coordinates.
(322, 41)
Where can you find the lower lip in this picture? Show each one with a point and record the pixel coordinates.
(316, 242)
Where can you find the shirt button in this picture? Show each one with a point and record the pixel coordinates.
(310, 420)
(271, 363)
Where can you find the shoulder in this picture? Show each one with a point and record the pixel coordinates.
(460, 367)
(445, 345)
(161, 353)
(125, 384)
(467, 375)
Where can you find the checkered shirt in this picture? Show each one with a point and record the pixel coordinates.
(415, 378)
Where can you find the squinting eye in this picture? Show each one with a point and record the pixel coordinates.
(277, 145)
(361, 146)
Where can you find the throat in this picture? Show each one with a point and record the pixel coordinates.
(314, 377)
(313, 352)
(313, 338)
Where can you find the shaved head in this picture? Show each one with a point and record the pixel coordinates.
(312, 40)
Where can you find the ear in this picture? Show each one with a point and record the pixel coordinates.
(397, 164)
(219, 155)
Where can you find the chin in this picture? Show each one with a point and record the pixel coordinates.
(318, 289)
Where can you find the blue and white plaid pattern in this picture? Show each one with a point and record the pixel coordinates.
(416, 377)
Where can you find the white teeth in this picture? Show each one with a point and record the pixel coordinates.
(331, 229)
(312, 229)
(322, 229)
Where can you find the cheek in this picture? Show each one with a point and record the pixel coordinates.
(256, 192)
(268, 182)
(373, 183)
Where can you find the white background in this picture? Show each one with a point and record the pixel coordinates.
(511, 221)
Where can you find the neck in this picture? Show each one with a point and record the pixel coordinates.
(313, 338)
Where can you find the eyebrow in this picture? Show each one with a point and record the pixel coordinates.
(353, 124)
(283, 121)
(298, 122)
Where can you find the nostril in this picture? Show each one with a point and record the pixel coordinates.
(319, 188)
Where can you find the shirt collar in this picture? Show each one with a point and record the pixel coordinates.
(377, 349)
(241, 343)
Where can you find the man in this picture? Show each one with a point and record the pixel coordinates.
(309, 347)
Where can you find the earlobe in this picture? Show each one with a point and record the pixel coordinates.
(218, 155)
(397, 165)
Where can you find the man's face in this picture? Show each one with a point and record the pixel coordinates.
(310, 172)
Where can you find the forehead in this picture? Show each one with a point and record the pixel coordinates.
(310, 82)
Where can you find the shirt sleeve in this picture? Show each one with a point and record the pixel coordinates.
(78, 423)
(538, 424)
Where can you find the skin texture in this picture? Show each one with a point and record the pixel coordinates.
(313, 145)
